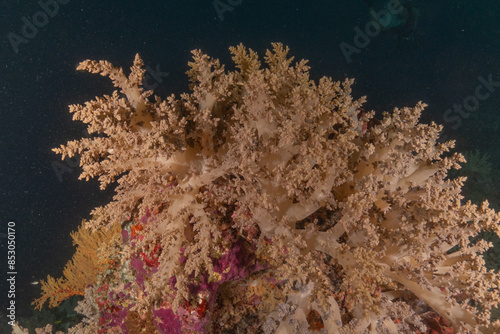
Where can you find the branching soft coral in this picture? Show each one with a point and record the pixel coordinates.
(256, 157)
(80, 271)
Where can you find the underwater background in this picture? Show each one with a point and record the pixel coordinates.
(444, 53)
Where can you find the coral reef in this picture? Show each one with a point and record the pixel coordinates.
(261, 178)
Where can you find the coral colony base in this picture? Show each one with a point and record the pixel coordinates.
(264, 202)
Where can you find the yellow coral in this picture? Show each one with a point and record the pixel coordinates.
(80, 271)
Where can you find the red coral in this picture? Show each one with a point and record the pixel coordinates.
(436, 324)
(151, 260)
(314, 320)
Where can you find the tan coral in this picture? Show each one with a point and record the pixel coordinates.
(283, 147)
